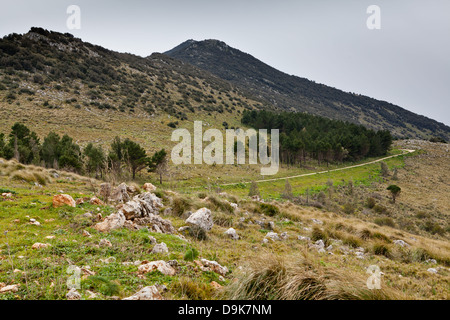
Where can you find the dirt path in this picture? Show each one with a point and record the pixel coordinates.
(405, 151)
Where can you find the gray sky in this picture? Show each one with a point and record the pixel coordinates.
(407, 62)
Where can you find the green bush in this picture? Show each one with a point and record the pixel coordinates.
(385, 222)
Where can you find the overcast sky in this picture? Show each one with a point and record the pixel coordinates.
(406, 62)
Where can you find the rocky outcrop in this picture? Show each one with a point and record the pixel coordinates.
(142, 205)
(63, 200)
(113, 221)
(120, 194)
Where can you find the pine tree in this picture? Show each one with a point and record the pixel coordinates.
(254, 190)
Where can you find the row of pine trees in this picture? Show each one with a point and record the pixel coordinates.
(305, 136)
(59, 152)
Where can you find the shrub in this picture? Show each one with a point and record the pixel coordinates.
(268, 209)
(381, 249)
(370, 203)
(220, 205)
(191, 254)
(433, 228)
(348, 208)
(352, 242)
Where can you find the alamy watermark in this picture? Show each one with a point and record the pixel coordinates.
(374, 281)
(374, 20)
(74, 20)
(235, 147)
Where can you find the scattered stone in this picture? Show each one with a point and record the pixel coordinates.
(152, 239)
(302, 238)
(147, 293)
(160, 248)
(159, 265)
(105, 243)
(256, 198)
(272, 236)
(73, 294)
(50, 237)
(201, 218)
(232, 234)
(7, 194)
(38, 245)
(34, 222)
(63, 199)
(317, 221)
(234, 206)
(149, 187)
(113, 221)
(86, 234)
(432, 270)
(96, 201)
(10, 288)
(284, 236)
(401, 243)
(433, 261)
(214, 266)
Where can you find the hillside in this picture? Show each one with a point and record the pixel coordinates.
(283, 249)
(53, 81)
(288, 92)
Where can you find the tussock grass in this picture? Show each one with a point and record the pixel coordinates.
(299, 277)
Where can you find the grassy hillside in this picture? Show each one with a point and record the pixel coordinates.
(292, 268)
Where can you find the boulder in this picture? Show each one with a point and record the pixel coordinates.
(63, 199)
(147, 293)
(120, 194)
(232, 234)
(149, 187)
(201, 218)
(142, 205)
(160, 248)
(113, 221)
(159, 265)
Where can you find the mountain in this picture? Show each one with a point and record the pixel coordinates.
(54, 81)
(273, 87)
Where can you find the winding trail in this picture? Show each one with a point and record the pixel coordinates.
(405, 151)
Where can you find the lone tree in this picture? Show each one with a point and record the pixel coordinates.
(158, 163)
(134, 155)
(395, 191)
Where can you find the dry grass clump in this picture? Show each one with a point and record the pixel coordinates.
(298, 277)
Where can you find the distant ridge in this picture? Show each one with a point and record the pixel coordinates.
(275, 88)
